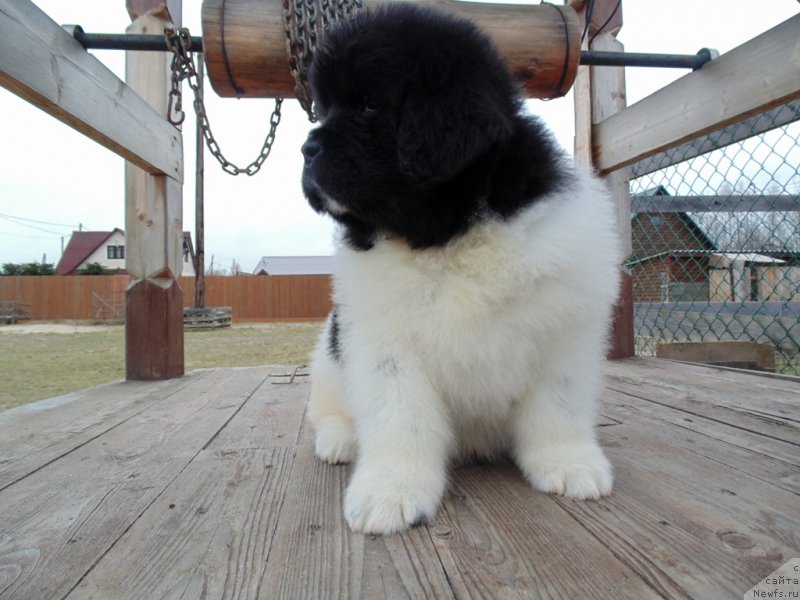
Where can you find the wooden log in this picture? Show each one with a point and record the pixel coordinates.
(154, 233)
(244, 43)
(43, 64)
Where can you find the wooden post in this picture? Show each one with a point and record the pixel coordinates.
(599, 93)
(153, 223)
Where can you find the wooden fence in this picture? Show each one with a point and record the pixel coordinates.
(252, 297)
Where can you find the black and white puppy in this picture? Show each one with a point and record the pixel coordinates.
(475, 274)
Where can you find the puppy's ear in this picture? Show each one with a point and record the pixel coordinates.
(439, 134)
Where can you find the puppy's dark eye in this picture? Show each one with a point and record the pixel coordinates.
(369, 106)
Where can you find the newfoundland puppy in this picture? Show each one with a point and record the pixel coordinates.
(475, 272)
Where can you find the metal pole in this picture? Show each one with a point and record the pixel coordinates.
(639, 59)
(112, 41)
(125, 41)
(199, 224)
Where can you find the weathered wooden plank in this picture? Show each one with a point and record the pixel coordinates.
(763, 458)
(755, 355)
(316, 556)
(757, 76)
(37, 434)
(43, 64)
(690, 460)
(272, 417)
(766, 392)
(771, 119)
(58, 522)
(697, 390)
(498, 538)
(679, 512)
(209, 533)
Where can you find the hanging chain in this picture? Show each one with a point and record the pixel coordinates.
(304, 23)
(183, 69)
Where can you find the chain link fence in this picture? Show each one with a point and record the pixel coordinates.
(715, 228)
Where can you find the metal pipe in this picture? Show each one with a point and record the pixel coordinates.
(157, 43)
(639, 59)
(124, 41)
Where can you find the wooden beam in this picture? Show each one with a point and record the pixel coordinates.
(761, 123)
(742, 355)
(757, 76)
(43, 64)
(154, 234)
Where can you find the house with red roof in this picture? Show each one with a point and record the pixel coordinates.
(107, 248)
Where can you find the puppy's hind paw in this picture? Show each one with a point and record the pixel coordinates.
(577, 472)
(335, 441)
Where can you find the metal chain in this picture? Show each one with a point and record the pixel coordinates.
(183, 68)
(305, 22)
(303, 29)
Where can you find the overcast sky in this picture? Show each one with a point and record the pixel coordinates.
(52, 174)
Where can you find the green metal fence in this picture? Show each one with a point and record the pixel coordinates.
(715, 227)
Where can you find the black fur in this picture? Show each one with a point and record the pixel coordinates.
(334, 347)
(422, 131)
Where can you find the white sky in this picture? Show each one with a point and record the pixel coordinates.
(48, 172)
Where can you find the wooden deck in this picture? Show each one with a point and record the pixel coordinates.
(207, 487)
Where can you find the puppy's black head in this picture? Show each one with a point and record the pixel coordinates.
(413, 105)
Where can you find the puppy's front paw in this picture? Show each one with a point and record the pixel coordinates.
(581, 472)
(335, 441)
(385, 503)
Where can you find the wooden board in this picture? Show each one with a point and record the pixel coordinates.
(35, 435)
(69, 514)
(498, 538)
(718, 395)
(757, 76)
(761, 356)
(758, 124)
(43, 64)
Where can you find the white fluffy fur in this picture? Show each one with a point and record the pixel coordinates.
(495, 342)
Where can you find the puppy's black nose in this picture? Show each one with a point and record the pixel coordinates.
(311, 149)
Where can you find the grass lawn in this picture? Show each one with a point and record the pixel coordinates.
(35, 366)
